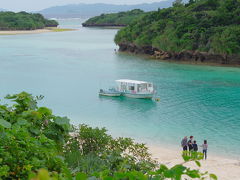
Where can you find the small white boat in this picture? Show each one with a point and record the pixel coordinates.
(135, 89)
(111, 92)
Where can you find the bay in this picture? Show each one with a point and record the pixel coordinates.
(69, 68)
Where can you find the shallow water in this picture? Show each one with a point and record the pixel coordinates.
(69, 68)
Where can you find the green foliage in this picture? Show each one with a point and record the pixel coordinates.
(30, 137)
(118, 19)
(192, 156)
(227, 41)
(22, 153)
(37, 145)
(92, 150)
(24, 21)
(177, 3)
(5, 124)
(200, 25)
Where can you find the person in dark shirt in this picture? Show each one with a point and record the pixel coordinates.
(190, 144)
(195, 146)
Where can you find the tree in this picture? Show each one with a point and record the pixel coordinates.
(24, 21)
(177, 3)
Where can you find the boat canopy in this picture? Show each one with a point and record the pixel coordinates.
(131, 81)
(134, 88)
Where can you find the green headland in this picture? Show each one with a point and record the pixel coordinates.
(199, 31)
(115, 19)
(24, 21)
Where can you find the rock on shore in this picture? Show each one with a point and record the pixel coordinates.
(103, 25)
(191, 56)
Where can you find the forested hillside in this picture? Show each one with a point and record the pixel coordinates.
(210, 26)
(115, 19)
(24, 21)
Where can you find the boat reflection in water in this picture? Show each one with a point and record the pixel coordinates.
(136, 105)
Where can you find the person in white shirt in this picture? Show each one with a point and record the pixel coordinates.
(205, 148)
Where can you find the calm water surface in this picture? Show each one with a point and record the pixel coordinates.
(69, 68)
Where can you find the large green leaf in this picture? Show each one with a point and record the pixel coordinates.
(162, 169)
(44, 110)
(2, 110)
(193, 173)
(35, 130)
(213, 176)
(81, 176)
(62, 121)
(5, 124)
(198, 163)
(43, 174)
(22, 122)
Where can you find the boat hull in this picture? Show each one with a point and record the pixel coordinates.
(139, 96)
(110, 94)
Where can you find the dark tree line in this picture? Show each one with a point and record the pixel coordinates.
(121, 18)
(24, 21)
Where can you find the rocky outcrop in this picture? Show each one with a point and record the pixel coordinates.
(191, 56)
(52, 25)
(103, 25)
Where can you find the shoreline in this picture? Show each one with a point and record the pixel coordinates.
(172, 146)
(148, 57)
(37, 31)
(225, 168)
(104, 25)
(187, 57)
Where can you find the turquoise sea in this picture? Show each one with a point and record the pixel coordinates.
(69, 68)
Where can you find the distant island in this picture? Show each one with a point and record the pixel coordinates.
(1, 9)
(10, 21)
(89, 10)
(120, 19)
(205, 31)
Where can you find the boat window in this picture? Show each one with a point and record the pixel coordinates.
(131, 88)
(123, 87)
(149, 85)
(143, 87)
(138, 88)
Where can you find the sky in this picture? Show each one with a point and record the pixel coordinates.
(35, 5)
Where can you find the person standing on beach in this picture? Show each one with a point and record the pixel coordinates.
(184, 143)
(190, 143)
(205, 148)
(195, 146)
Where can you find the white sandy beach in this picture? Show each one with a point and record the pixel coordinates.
(224, 168)
(37, 31)
(25, 32)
